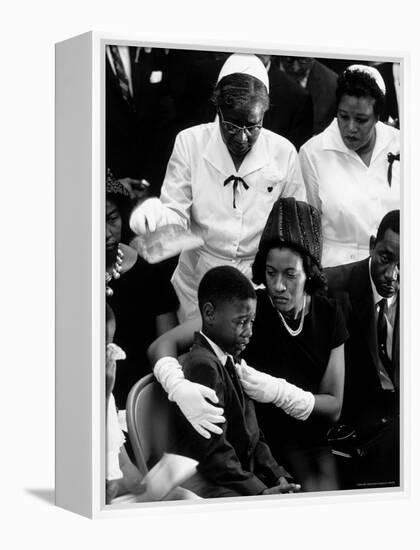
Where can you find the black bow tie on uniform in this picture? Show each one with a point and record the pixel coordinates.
(391, 158)
(236, 180)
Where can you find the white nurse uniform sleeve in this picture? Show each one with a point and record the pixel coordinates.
(310, 178)
(176, 193)
(294, 186)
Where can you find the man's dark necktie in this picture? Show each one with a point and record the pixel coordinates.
(391, 158)
(121, 74)
(382, 331)
(236, 180)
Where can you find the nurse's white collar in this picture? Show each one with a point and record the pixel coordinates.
(332, 140)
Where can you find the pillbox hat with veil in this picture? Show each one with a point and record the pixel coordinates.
(296, 223)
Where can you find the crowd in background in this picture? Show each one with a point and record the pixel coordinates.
(171, 90)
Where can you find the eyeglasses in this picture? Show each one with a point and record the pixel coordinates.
(233, 129)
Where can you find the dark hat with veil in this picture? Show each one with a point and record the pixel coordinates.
(295, 223)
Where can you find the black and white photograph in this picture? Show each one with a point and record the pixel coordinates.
(252, 251)
(210, 264)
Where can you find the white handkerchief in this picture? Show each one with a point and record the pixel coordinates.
(170, 472)
(114, 440)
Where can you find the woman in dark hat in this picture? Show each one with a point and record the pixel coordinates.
(298, 337)
(297, 343)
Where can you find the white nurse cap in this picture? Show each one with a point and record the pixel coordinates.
(246, 64)
(371, 71)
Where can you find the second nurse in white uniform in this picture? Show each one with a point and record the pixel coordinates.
(351, 170)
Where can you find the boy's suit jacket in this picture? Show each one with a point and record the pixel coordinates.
(239, 459)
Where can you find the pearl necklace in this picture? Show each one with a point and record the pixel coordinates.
(115, 272)
(302, 316)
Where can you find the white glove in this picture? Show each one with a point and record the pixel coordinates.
(190, 397)
(150, 215)
(267, 389)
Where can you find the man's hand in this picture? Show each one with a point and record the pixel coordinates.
(138, 189)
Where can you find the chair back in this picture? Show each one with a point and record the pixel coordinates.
(150, 422)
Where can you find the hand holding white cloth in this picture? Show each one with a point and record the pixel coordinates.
(268, 389)
(190, 397)
(150, 215)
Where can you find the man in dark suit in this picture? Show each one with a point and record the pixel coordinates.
(320, 82)
(390, 72)
(368, 292)
(291, 110)
(137, 112)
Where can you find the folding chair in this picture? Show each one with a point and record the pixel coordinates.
(149, 422)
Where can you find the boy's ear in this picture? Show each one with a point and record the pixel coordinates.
(208, 312)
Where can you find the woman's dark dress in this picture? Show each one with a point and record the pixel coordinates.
(301, 360)
(140, 295)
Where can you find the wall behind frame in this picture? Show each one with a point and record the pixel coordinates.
(32, 29)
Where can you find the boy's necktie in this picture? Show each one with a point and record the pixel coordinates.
(230, 367)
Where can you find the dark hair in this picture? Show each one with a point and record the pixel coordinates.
(357, 83)
(120, 197)
(315, 276)
(224, 284)
(389, 221)
(240, 90)
(124, 206)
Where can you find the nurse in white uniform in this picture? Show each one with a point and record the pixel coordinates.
(222, 180)
(351, 170)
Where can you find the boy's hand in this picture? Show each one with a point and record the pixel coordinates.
(282, 487)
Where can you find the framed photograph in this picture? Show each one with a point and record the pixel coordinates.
(227, 274)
